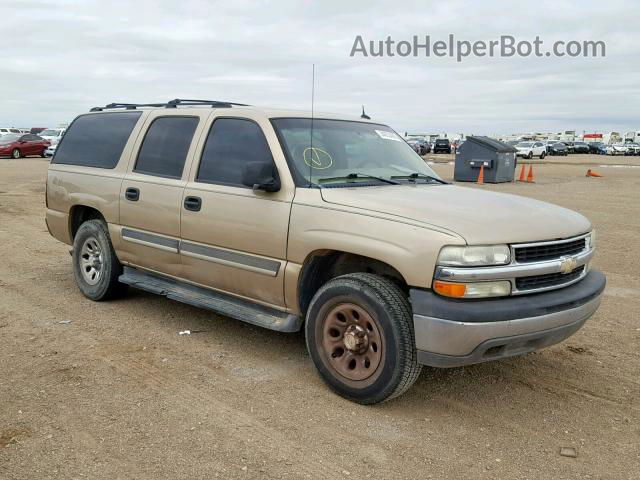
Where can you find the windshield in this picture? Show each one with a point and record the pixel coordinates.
(9, 138)
(49, 133)
(341, 148)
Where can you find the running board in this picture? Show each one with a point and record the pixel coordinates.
(221, 303)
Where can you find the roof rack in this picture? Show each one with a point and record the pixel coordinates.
(175, 103)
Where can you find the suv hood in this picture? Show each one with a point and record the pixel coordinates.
(480, 217)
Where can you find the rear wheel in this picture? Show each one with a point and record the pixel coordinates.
(359, 333)
(15, 154)
(95, 265)
(542, 155)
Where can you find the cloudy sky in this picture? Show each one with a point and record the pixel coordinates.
(58, 58)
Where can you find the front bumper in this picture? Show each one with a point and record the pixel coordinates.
(452, 333)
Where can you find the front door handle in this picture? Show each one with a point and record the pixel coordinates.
(193, 203)
(132, 194)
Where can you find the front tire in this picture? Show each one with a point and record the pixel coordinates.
(359, 333)
(95, 265)
(15, 154)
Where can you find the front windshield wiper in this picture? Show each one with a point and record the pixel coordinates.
(355, 176)
(415, 176)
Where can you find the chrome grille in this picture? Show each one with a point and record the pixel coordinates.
(548, 251)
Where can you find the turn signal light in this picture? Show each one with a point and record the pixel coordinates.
(473, 290)
(450, 289)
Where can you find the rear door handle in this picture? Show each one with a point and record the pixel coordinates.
(132, 194)
(193, 203)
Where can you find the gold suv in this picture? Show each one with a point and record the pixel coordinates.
(328, 223)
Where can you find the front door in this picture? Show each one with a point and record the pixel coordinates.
(151, 193)
(235, 240)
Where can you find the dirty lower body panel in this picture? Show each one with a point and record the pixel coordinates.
(221, 303)
(451, 333)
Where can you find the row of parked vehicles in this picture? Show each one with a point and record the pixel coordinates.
(422, 146)
(553, 147)
(16, 143)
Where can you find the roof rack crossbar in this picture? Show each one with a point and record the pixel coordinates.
(171, 104)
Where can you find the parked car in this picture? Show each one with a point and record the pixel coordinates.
(353, 239)
(442, 145)
(5, 131)
(570, 146)
(531, 149)
(580, 147)
(616, 149)
(16, 145)
(557, 149)
(420, 146)
(52, 134)
(597, 148)
(51, 150)
(632, 148)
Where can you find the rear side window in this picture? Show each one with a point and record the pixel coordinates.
(96, 140)
(231, 143)
(165, 146)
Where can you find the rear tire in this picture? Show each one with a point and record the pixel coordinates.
(542, 155)
(95, 265)
(359, 333)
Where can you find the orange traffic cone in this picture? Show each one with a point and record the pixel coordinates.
(481, 175)
(522, 177)
(530, 176)
(591, 173)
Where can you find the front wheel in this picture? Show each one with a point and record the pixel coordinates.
(359, 333)
(15, 154)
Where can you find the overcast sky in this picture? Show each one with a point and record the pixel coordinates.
(59, 58)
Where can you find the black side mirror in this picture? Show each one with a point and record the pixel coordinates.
(261, 176)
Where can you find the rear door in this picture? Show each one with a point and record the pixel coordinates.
(236, 238)
(151, 192)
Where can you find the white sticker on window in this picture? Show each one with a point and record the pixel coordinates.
(388, 135)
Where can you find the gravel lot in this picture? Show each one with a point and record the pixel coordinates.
(111, 391)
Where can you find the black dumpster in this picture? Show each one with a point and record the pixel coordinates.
(499, 160)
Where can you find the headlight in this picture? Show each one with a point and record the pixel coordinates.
(591, 240)
(474, 256)
(472, 290)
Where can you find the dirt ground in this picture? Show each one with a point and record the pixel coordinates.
(111, 391)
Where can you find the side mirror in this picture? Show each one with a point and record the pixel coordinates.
(261, 176)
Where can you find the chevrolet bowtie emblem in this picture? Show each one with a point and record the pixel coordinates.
(568, 264)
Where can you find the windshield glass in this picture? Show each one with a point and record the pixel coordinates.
(341, 148)
(9, 138)
(49, 133)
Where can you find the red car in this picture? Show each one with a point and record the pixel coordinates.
(16, 145)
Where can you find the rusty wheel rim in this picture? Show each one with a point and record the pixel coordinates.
(351, 342)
